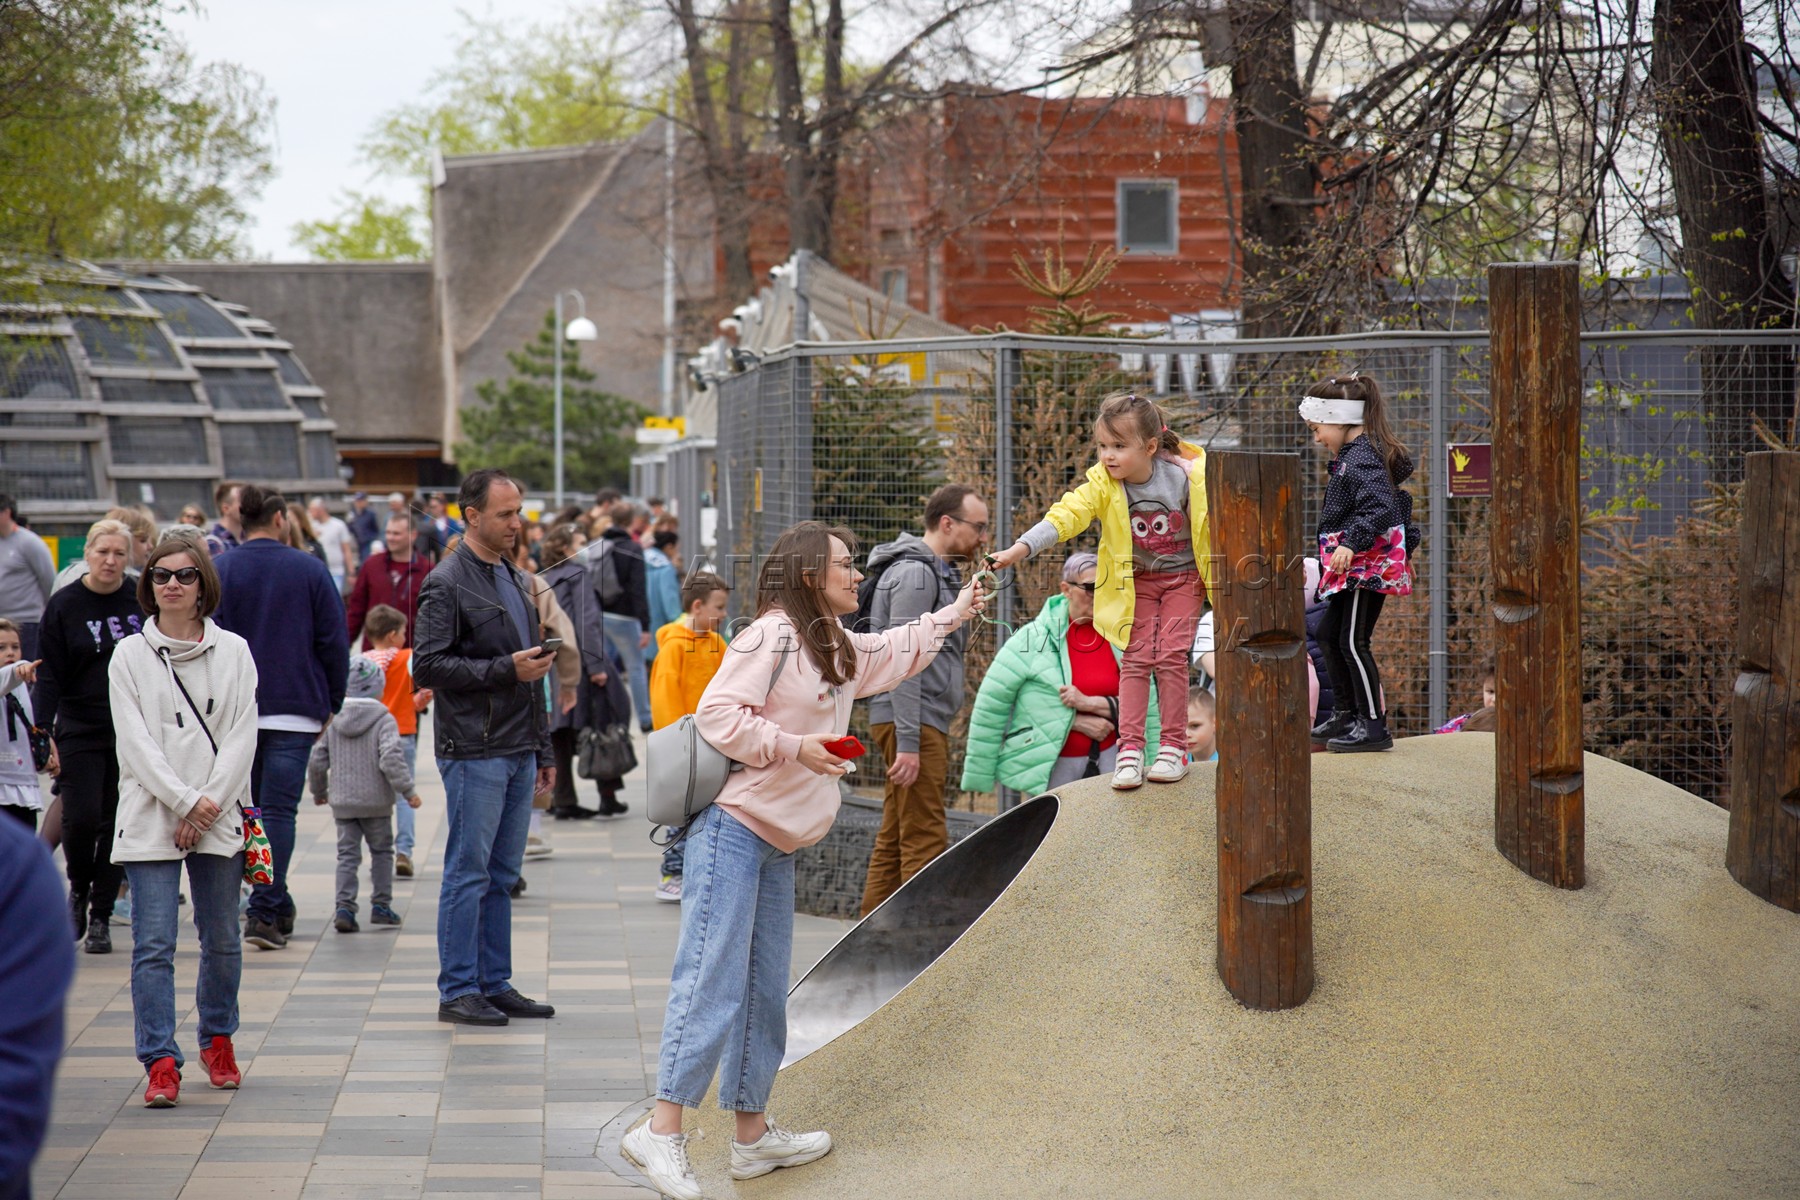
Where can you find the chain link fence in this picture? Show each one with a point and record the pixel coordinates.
(859, 434)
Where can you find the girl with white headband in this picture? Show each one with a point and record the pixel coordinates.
(1366, 537)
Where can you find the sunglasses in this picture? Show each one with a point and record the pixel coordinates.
(1086, 587)
(186, 576)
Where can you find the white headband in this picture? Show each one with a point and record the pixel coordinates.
(1331, 412)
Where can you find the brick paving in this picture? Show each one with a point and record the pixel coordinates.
(353, 1090)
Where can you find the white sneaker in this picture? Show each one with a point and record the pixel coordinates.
(669, 890)
(1128, 770)
(536, 847)
(1171, 766)
(663, 1157)
(777, 1147)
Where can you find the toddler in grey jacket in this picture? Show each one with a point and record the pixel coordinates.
(358, 765)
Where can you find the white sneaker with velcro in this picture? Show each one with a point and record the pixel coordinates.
(1128, 770)
(1171, 766)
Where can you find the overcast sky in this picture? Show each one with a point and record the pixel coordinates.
(333, 66)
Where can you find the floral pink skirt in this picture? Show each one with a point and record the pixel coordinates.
(1381, 568)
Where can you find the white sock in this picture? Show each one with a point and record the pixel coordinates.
(537, 822)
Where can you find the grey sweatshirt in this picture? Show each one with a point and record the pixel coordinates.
(358, 763)
(906, 591)
(26, 575)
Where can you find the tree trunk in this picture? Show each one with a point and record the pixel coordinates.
(1706, 108)
(1277, 186)
(722, 151)
(806, 229)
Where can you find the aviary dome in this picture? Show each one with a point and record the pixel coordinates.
(140, 389)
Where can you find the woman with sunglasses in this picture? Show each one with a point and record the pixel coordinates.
(82, 624)
(1048, 709)
(184, 705)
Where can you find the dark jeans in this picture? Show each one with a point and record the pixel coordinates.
(1350, 617)
(277, 777)
(90, 797)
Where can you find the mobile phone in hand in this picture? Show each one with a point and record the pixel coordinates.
(551, 646)
(847, 747)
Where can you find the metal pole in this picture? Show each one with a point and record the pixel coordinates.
(556, 406)
(1438, 549)
(1007, 368)
(668, 362)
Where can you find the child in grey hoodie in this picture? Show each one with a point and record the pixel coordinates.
(358, 765)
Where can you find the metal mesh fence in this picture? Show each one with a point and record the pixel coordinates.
(860, 435)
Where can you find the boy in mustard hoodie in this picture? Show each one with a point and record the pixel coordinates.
(688, 653)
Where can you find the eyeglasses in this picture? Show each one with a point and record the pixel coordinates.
(186, 576)
(977, 526)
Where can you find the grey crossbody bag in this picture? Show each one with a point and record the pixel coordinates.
(686, 772)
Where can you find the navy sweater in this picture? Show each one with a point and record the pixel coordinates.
(283, 602)
(37, 961)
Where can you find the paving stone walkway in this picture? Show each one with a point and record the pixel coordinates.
(353, 1090)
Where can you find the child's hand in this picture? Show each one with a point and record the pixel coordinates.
(1341, 559)
(321, 799)
(26, 672)
(1013, 555)
(421, 699)
(413, 802)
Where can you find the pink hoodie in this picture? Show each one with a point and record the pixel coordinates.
(774, 796)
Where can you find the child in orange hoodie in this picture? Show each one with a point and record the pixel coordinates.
(688, 653)
(385, 631)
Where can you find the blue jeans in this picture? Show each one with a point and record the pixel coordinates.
(624, 632)
(155, 920)
(404, 817)
(728, 992)
(277, 777)
(487, 802)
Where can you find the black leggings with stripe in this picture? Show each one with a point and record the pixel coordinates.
(1344, 633)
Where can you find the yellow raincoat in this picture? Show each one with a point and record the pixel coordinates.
(1102, 498)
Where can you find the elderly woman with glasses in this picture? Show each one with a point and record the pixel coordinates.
(183, 695)
(1048, 709)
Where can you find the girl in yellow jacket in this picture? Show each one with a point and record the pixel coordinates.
(1148, 491)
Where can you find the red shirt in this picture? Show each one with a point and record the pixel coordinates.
(1094, 672)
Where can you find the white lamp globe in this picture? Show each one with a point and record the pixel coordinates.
(581, 330)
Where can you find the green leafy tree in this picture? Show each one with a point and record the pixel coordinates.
(513, 428)
(368, 228)
(114, 142)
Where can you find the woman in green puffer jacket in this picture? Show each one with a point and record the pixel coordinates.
(1047, 712)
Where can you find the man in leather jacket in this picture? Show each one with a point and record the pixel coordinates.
(476, 646)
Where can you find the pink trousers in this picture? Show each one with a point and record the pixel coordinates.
(1163, 617)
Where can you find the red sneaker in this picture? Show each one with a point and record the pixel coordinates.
(165, 1084)
(221, 1064)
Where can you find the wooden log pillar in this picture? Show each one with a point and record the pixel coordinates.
(1265, 950)
(1534, 541)
(1763, 848)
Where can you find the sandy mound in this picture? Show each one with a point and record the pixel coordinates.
(1473, 1032)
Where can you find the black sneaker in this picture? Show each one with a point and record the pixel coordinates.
(1336, 725)
(99, 937)
(285, 923)
(515, 1005)
(1365, 735)
(78, 911)
(471, 1010)
(517, 889)
(610, 807)
(263, 935)
(573, 812)
(345, 921)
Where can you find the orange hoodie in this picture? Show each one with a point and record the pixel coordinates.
(685, 663)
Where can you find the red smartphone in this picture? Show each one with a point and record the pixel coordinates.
(847, 747)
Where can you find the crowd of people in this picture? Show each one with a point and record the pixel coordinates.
(185, 687)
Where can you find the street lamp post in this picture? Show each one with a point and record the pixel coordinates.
(579, 330)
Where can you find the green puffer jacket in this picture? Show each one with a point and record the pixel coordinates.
(1019, 723)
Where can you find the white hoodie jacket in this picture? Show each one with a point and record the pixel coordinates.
(165, 761)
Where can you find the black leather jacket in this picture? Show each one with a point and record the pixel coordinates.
(463, 643)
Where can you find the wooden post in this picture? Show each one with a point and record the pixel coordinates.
(1265, 759)
(1534, 540)
(1763, 848)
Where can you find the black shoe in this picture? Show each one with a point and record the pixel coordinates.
(471, 1010)
(515, 1005)
(99, 937)
(263, 935)
(573, 812)
(285, 923)
(1336, 725)
(78, 911)
(610, 807)
(345, 921)
(517, 889)
(1365, 735)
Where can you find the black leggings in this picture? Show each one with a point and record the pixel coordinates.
(562, 743)
(89, 786)
(1344, 633)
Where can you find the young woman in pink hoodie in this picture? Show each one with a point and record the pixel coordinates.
(784, 690)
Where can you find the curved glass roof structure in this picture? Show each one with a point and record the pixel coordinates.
(142, 390)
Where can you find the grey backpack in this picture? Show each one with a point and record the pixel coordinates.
(685, 771)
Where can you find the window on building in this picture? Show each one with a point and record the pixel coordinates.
(1147, 223)
(893, 284)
